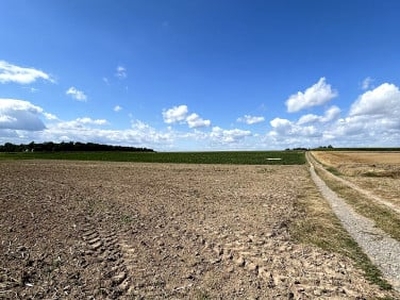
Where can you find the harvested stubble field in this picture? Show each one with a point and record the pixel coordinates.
(376, 172)
(74, 230)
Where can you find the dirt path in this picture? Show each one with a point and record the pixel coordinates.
(355, 187)
(381, 249)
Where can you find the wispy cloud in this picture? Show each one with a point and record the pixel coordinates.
(117, 108)
(318, 94)
(31, 89)
(76, 94)
(367, 82)
(250, 119)
(228, 136)
(21, 75)
(81, 123)
(121, 72)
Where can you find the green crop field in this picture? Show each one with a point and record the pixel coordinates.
(223, 157)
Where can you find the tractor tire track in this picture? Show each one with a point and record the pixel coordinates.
(103, 257)
(287, 270)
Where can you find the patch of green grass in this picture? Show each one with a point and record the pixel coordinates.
(372, 174)
(202, 295)
(388, 174)
(334, 171)
(331, 169)
(223, 157)
(372, 273)
(126, 219)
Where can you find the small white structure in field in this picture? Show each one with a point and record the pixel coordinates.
(274, 158)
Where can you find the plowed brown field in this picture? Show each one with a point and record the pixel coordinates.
(76, 230)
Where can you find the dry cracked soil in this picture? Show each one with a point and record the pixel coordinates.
(80, 230)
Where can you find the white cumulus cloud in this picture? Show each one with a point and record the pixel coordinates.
(76, 94)
(284, 128)
(250, 119)
(175, 114)
(318, 94)
(281, 126)
(21, 75)
(20, 115)
(194, 121)
(331, 114)
(50, 116)
(309, 118)
(180, 114)
(373, 119)
(383, 100)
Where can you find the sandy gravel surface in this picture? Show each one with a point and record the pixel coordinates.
(75, 230)
(381, 249)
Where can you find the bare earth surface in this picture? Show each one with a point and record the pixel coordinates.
(376, 172)
(76, 230)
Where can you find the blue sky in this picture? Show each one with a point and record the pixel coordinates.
(201, 75)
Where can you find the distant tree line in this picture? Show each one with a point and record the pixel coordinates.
(297, 149)
(67, 146)
(330, 147)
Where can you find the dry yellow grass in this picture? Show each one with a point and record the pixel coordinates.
(375, 172)
(385, 218)
(337, 158)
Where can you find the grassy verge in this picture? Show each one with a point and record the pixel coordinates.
(384, 218)
(334, 171)
(223, 157)
(320, 226)
(331, 169)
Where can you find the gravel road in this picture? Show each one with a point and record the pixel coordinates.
(383, 251)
